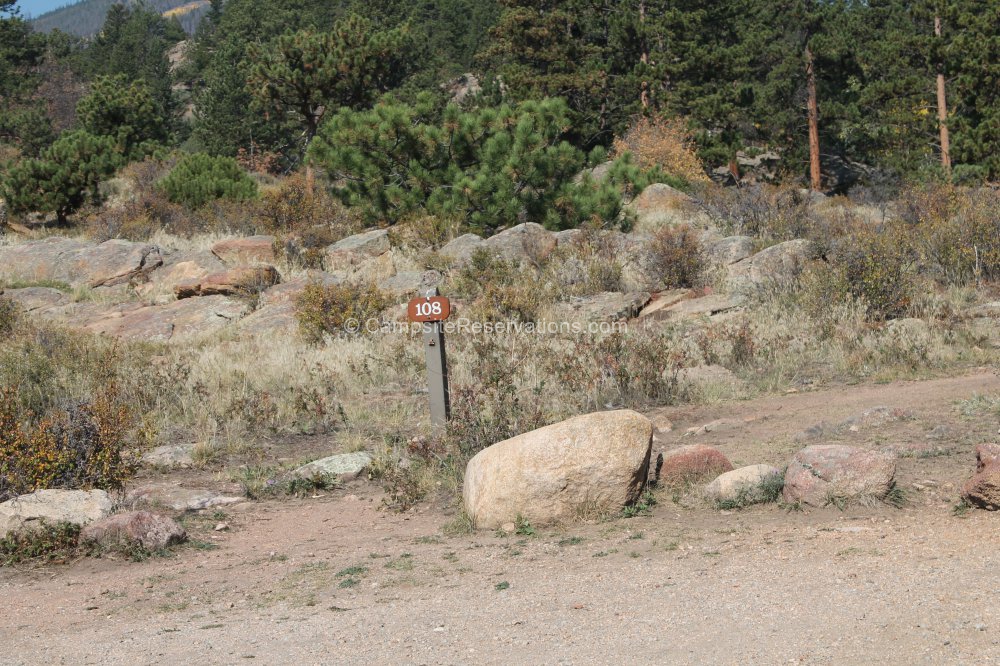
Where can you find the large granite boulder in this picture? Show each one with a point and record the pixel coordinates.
(588, 465)
(661, 205)
(525, 243)
(776, 264)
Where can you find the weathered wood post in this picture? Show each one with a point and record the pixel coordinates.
(431, 311)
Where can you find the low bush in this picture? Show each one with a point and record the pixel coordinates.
(956, 230)
(768, 212)
(90, 445)
(874, 268)
(676, 257)
(501, 289)
(664, 144)
(200, 178)
(8, 315)
(47, 541)
(326, 309)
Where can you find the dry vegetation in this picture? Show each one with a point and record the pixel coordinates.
(930, 258)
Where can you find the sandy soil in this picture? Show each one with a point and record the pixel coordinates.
(336, 580)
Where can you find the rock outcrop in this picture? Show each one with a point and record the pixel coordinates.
(248, 251)
(77, 263)
(242, 281)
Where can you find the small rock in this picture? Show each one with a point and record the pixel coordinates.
(748, 485)
(694, 463)
(339, 468)
(983, 489)
(987, 454)
(151, 531)
(508, 528)
(221, 527)
(169, 456)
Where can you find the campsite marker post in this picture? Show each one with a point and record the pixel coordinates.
(431, 311)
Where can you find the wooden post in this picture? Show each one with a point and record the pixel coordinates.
(431, 311)
(437, 373)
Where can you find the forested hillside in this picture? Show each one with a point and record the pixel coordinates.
(830, 93)
(85, 18)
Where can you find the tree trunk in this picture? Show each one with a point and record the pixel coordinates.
(942, 106)
(644, 94)
(815, 180)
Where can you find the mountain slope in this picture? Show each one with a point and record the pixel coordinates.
(86, 18)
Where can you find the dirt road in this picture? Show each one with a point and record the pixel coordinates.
(335, 580)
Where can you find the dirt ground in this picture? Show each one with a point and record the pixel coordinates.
(337, 580)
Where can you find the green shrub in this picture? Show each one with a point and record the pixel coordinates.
(51, 542)
(334, 309)
(64, 177)
(200, 178)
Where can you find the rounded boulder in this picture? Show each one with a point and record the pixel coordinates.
(834, 473)
(587, 465)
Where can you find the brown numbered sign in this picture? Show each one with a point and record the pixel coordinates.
(423, 309)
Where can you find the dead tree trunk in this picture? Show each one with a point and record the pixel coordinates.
(942, 108)
(815, 180)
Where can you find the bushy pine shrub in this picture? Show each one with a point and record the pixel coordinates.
(200, 178)
(488, 167)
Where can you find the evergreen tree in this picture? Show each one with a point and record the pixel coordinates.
(306, 73)
(126, 111)
(22, 122)
(972, 63)
(488, 167)
(134, 43)
(66, 176)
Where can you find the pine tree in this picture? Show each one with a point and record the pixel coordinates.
(22, 122)
(488, 167)
(306, 73)
(66, 176)
(126, 111)
(134, 43)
